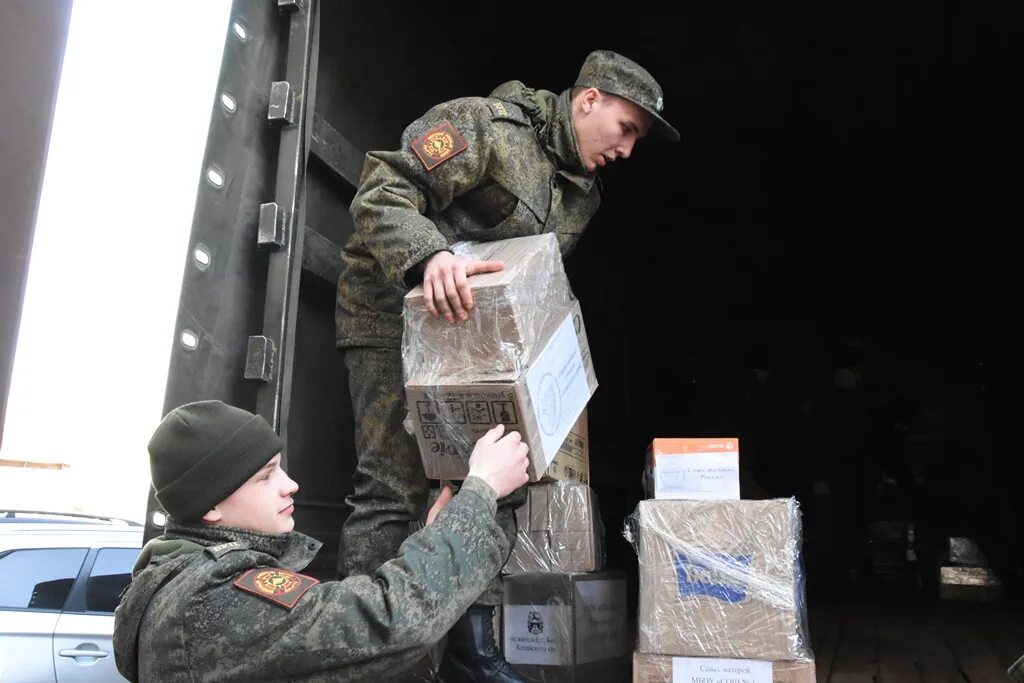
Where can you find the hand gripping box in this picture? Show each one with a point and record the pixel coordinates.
(559, 530)
(721, 579)
(522, 359)
(567, 627)
(668, 669)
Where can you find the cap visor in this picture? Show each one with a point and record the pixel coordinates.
(663, 128)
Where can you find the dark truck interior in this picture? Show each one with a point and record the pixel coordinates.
(843, 197)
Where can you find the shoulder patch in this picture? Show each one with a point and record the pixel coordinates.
(279, 586)
(503, 110)
(438, 145)
(218, 551)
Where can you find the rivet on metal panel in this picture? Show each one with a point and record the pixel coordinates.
(280, 109)
(239, 31)
(259, 358)
(271, 229)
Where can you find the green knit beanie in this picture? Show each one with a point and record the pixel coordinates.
(203, 451)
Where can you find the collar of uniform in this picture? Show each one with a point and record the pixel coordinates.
(561, 140)
(275, 545)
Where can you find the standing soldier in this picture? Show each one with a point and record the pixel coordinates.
(519, 162)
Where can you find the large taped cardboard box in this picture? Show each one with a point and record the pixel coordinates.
(559, 530)
(567, 627)
(572, 461)
(649, 668)
(543, 403)
(722, 579)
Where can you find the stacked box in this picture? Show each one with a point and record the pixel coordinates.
(559, 530)
(649, 668)
(721, 579)
(567, 627)
(522, 359)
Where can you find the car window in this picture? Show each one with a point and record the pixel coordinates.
(110, 574)
(38, 578)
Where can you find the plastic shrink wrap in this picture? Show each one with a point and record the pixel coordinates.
(521, 359)
(720, 579)
(559, 530)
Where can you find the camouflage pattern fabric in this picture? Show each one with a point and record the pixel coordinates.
(390, 487)
(470, 169)
(184, 619)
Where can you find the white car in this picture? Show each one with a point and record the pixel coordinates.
(61, 576)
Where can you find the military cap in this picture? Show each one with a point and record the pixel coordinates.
(612, 73)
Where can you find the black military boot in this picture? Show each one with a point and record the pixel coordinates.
(472, 655)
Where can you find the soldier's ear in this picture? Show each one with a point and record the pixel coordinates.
(213, 516)
(588, 98)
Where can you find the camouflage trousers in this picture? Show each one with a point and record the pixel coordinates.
(389, 485)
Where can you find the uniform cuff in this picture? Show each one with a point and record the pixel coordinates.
(481, 488)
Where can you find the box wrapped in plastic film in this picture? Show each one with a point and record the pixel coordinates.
(567, 627)
(559, 530)
(668, 669)
(721, 579)
(522, 359)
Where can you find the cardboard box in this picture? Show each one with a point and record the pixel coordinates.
(542, 403)
(567, 627)
(513, 310)
(693, 469)
(970, 584)
(722, 579)
(559, 530)
(648, 668)
(572, 461)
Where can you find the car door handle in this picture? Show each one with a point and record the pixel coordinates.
(99, 654)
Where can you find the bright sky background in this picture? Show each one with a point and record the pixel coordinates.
(125, 156)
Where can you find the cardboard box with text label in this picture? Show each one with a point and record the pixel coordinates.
(543, 404)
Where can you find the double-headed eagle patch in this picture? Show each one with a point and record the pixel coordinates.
(438, 145)
(279, 586)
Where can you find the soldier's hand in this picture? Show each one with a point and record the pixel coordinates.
(440, 504)
(445, 289)
(500, 460)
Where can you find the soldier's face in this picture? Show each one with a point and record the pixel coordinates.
(607, 128)
(263, 503)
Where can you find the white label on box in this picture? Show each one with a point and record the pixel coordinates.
(706, 670)
(697, 476)
(600, 620)
(538, 634)
(558, 388)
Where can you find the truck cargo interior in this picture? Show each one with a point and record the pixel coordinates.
(845, 179)
(822, 267)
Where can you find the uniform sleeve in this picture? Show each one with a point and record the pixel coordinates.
(396, 188)
(363, 627)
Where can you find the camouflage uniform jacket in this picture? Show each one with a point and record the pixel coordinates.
(183, 617)
(474, 168)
